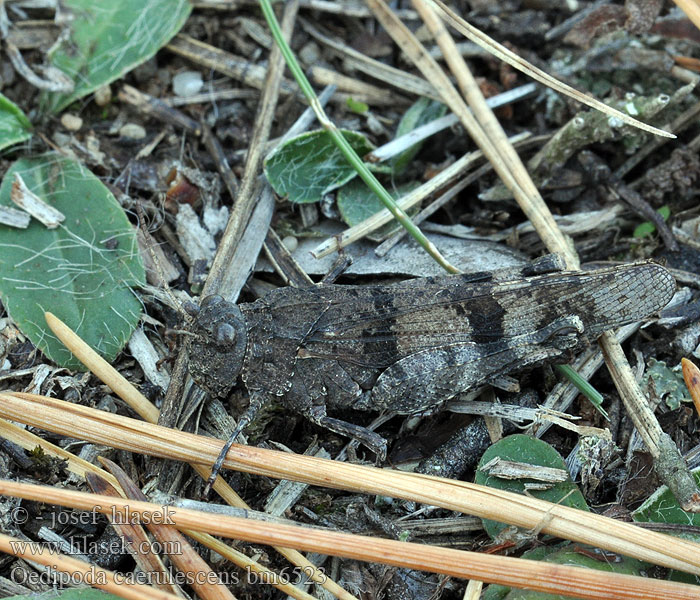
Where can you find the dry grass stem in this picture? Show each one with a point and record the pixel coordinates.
(692, 10)
(102, 369)
(98, 577)
(515, 572)
(378, 70)
(236, 67)
(473, 590)
(520, 185)
(135, 436)
(430, 187)
(204, 580)
(29, 441)
(522, 65)
(530, 200)
(355, 88)
(134, 538)
(139, 403)
(78, 466)
(218, 279)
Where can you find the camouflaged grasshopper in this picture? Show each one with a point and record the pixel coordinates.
(409, 347)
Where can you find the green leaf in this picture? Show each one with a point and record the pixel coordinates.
(108, 39)
(647, 228)
(308, 166)
(662, 507)
(14, 124)
(356, 202)
(644, 229)
(74, 594)
(526, 449)
(422, 111)
(82, 271)
(575, 555)
(356, 106)
(669, 384)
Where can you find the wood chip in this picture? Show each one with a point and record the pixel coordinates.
(508, 469)
(14, 218)
(27, 200)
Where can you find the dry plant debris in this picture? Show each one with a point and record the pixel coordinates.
(156, 148)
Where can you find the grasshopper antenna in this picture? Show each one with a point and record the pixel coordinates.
(256, 402)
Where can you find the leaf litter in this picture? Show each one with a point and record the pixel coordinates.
(637, 56)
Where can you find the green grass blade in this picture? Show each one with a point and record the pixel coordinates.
(365, 174)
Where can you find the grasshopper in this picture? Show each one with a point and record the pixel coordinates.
(409, 347)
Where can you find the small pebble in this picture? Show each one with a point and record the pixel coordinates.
(187, 83)
(71, 122)
(310, 53)
(103, 95)
(132, 131)
(290, 243)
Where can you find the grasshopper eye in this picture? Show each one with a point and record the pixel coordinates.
(224, 334)
(212, 300)
(190, 308)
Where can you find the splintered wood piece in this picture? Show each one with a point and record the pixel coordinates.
(14, 218)
(28, 201)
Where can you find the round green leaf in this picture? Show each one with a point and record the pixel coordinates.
(662, 507)
(74, 594)
(356, 202)
(108, 39)
(421, 112)
(526, 449)
(14, 125)
(82, 271)
(574, 555)
(308, 166)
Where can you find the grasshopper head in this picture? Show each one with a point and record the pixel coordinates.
(218, 348)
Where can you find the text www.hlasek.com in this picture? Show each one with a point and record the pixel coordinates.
(83, 545)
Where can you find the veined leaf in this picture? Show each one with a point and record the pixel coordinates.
(82, 271)
(108, 39)
(14, 124)
(308, 166)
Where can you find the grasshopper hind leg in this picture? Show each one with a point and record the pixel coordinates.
(318, 384)
(371, 440)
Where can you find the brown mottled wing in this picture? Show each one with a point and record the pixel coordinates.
(425, 379)
(375, 326)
